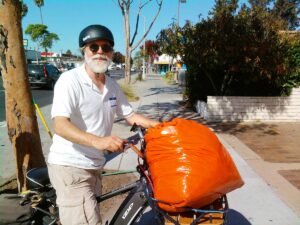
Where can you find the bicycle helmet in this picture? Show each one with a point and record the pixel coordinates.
(95, 32)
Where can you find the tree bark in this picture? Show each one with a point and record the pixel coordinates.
(128, 47)
(21, 119)
(127, 66)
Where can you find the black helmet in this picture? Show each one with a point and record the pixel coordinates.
(95, 32)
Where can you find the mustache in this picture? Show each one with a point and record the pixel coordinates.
(98, 56)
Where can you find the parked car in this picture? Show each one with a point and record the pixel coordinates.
(119, 66)
(43, 75)
(70, 66)
(112, 67)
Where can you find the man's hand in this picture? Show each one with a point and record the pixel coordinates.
(69, 131)
(110, 143)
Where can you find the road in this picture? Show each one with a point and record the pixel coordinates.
(42, 97)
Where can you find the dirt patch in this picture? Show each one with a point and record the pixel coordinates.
(293, 176)
(10, 187)
(110, 206)
(274, 142)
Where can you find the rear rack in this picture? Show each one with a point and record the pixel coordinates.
(214, 214)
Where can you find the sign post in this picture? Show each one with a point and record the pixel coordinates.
(25, 43)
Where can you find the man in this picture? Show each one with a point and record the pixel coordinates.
(84, 107)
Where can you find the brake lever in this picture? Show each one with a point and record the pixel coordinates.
(134, 127)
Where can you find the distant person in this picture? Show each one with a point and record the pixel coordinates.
(84, 107)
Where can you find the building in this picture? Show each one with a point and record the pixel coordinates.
(32, 56)
(165, 63)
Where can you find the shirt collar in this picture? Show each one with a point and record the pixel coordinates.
(87, 80)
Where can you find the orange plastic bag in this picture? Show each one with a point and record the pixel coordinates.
(188, 164)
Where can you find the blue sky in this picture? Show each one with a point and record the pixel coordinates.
(68, 17)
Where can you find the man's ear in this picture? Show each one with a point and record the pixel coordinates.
(82, 50)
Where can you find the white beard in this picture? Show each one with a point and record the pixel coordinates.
(95, 66)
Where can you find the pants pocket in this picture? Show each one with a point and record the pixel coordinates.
(71, 211)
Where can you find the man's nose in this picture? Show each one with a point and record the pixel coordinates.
(100, 50)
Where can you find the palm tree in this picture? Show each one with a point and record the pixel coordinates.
(40, 4)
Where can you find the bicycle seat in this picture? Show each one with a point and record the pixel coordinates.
(38, 178)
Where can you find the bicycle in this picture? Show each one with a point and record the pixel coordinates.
(140, 197)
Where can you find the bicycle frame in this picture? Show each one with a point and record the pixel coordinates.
(141, 196)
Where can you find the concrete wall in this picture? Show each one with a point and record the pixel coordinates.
(234, 108)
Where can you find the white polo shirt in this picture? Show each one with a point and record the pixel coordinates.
(78, 98)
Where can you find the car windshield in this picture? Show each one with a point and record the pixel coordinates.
(35, 68)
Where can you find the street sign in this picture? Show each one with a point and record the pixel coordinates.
(25, 42)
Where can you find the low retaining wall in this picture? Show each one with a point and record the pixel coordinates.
(235, 108)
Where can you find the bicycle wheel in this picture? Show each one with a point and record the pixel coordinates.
(131, 207)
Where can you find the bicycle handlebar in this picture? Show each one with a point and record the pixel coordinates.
(133, 140)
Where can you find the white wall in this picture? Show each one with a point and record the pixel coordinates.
(235, 108)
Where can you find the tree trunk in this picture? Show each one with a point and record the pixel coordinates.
(21, 119)
(128, 47)
(127, 66)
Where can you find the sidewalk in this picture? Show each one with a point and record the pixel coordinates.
(256, 203)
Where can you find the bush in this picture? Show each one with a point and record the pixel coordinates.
(293, 63)
(234, 55)
(169, 77)
(131, 97)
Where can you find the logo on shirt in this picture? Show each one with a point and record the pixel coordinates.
(113, 101)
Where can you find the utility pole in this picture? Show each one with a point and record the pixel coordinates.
(144, 50)
(178, 13)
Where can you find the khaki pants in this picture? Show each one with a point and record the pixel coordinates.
(76, 190)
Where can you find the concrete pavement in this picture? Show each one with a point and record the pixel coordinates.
(256, 203)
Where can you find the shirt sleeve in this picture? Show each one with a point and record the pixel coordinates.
(64, 100)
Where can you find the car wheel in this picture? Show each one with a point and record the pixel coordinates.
(51, 85)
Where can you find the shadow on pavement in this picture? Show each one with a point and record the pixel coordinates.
(236, 218)
(165, 90)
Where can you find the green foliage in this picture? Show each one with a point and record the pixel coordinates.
(118, 58)
(138, 60)
(168, 41)
(232, 52)
(40, 34)
(139, 77)
(24, 9)
(293, 64)
(131, 97)
(39, 3)
(287, 12)
(169, 77)
(68, 52)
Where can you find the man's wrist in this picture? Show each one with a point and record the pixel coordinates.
(96, 142)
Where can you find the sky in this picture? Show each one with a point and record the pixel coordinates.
(67, 18)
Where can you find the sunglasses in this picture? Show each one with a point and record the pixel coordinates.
(106, 48)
